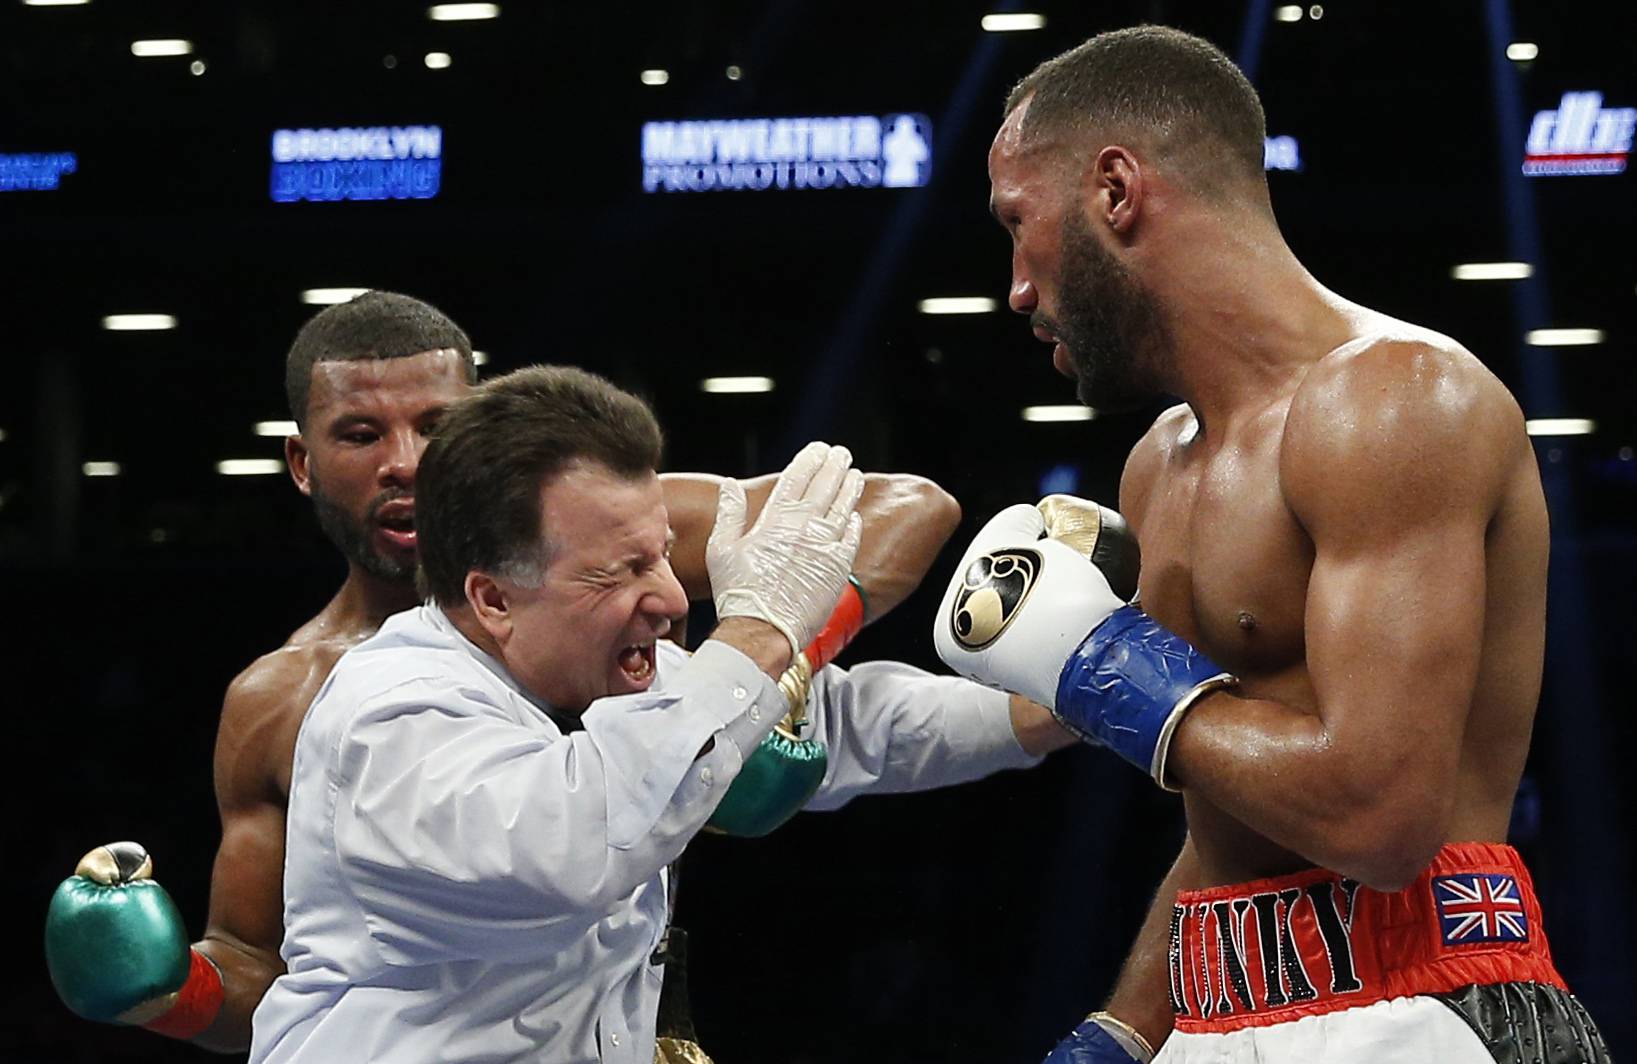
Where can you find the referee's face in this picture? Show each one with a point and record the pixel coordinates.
(606, 595)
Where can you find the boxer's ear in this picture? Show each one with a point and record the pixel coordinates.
(1118, 180)
(295, 459)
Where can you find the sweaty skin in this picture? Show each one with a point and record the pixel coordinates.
(1345, 512)
(906, 521)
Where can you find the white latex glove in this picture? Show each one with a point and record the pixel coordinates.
(791, 567)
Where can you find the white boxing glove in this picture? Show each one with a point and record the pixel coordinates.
(790, 568)
(1019, 605)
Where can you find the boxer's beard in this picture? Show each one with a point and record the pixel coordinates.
(1108, 322)
(352, 537)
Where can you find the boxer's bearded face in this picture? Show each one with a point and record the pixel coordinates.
(1106, 321)
(367, 424)
(353, 535)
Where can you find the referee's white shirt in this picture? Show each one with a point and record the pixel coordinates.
(465, 882)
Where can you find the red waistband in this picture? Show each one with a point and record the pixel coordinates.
(1279, 949)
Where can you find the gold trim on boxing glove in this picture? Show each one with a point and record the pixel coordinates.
(152, 1009)
(116, 863)
(993, 590)
(679, 1051)
(1075, 522)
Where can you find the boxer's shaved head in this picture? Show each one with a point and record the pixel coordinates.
(375, 325)
(1155, 88)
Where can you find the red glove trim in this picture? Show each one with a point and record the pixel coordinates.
(197, 1003)
(845, 622)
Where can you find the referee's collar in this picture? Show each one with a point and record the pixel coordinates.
(566, 722)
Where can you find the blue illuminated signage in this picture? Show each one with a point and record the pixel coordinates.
(755, 154)
(1580, 137)
(1281, 153)
(35, 172)
(365, 163)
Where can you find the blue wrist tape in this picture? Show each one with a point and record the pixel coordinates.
(1089, 1043)
(1125, 683)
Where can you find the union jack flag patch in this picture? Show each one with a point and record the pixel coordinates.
(1480, 908)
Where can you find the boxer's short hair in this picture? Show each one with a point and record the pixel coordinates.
(372, 325)
(1177, 93)
(477, 490)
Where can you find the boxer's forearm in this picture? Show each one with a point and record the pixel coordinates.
(247, 972)
(1142, 995)
(1354, 807)
(907, 519)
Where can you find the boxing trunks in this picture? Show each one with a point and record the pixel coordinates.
(1315, 967)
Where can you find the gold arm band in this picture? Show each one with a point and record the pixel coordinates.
(1130, 1040)
(794, 683)
(1162, 750)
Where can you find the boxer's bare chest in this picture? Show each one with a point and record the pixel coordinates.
(1224, 561)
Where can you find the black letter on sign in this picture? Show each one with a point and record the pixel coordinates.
(1267, 930)
(1179, 998)
(1301, 989)
(1230, 934)
(1338, 938)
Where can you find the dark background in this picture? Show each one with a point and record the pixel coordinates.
(972, 925)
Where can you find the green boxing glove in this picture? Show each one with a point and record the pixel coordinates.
(118, 952)
(786, 770)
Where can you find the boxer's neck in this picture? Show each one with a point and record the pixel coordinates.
(1244, 319)
(366, 600)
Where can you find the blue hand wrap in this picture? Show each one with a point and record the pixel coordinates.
(1125, 684)
(1089, 1043)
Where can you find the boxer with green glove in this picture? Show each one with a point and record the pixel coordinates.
(786, 769)
(118, 951)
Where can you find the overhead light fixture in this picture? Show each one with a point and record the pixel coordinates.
(1492, 271)
(438, 60)
(197, 67)
(480, 358)
(160, 48)
(1563, 337)
(1522, 51)
(735, 72)
(55, 3)
(1316, 12)
(100, 469)
(1012, 23)
(276, 428)
(138, 322)
(462, 12)
(1062, 412)
(736, 385)
(324, 297)
(958, 305)
(1559, 426)
(655, 77)
(249, 467)
(1288, 13)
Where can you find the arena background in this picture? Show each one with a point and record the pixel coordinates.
(972, 925)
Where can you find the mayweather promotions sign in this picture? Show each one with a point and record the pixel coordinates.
(759, 154)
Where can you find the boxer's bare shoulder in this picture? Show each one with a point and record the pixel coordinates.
(1171, 430)
(1411, 407)
(261, 715)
